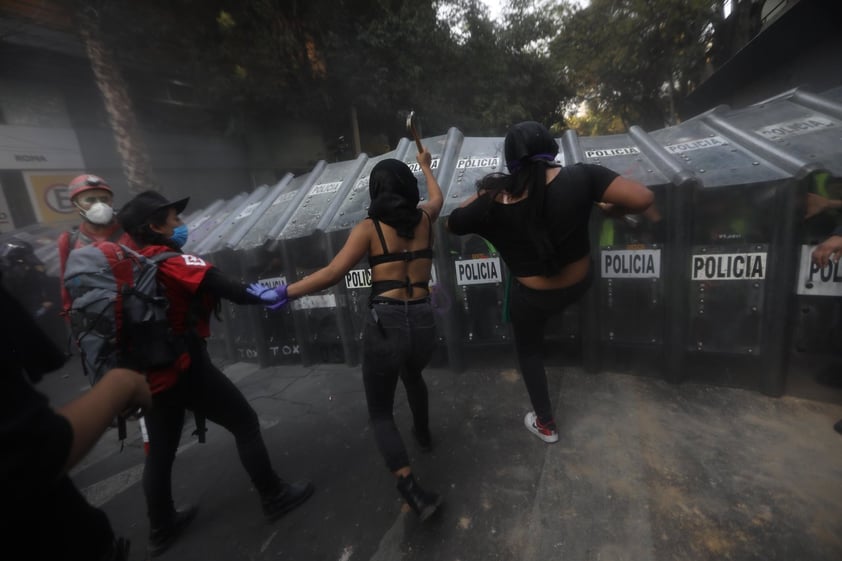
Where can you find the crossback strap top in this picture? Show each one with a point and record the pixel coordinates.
(381, 286)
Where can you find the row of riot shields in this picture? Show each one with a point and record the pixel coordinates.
(713, 283)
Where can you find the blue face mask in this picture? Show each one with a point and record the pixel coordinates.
(179, 235)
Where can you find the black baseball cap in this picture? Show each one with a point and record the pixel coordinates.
(137, 211)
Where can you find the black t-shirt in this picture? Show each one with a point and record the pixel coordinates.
(568, 203)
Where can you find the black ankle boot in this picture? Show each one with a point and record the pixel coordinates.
(423, 503)
(286, 498)
(162, 537)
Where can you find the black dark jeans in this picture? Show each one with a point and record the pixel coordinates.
(400, 346)
(530, 309)
(204, 388)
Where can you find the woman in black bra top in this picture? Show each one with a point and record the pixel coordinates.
(399, 333)
(537, 218)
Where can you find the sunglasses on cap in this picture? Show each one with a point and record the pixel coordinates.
(93, 181)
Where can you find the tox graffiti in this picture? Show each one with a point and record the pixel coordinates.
(274, 350)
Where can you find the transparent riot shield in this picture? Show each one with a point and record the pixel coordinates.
(268, 336)
(241, 343)
(470, 291)
(210, 220)
(303, 250)
(815, 360)
(735, 301)
(232, 319)
(244, 342)
(629, 295)
(798, 130)
(205, 222)
(197, 219)
(747, 207)
(217, 238)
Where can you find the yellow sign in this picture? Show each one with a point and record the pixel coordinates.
(49, 195)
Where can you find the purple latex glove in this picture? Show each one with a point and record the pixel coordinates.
(265, 293)
(282, 298)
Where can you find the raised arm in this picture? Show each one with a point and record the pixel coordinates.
(435, 200)
(354, 249)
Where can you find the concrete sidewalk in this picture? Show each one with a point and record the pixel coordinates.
(644, 470)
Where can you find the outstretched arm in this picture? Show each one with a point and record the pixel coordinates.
(90, 414)
(354, 249)
(222, 286)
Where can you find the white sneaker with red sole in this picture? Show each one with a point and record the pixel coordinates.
(535, 427)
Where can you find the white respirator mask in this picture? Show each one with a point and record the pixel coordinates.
(99, 213)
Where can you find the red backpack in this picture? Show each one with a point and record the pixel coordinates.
(119, 311)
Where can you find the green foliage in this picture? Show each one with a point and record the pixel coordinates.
(588, 122)
(498, 75)
(268, 60)
(632, 59)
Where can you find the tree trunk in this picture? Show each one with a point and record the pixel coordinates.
(130, 144)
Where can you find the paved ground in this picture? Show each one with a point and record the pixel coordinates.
(644, 470)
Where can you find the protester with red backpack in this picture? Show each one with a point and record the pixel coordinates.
(94, 199)
(118, 317)
(194, 288)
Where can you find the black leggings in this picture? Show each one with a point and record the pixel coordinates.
(399, 345)
(530, 309)
(204, 388)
